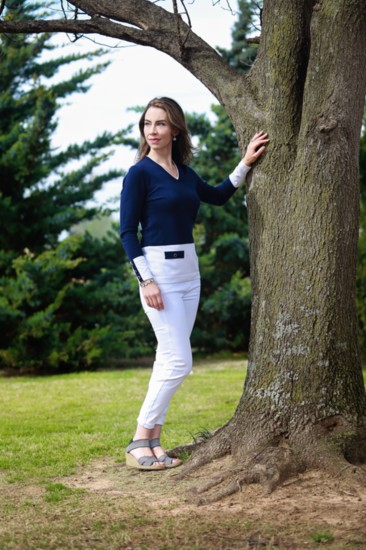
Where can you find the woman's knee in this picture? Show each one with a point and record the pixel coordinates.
(180, 364)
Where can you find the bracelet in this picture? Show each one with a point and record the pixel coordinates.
(147, 282)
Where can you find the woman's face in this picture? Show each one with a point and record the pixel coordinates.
(158, 131)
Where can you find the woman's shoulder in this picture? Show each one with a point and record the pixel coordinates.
(138, 171)
(141, 166)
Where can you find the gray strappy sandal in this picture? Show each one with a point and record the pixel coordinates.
(167, 460)
(144, 462)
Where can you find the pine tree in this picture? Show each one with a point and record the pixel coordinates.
(222, 233)
(39, 197)
(60, 304)
(221, 236)
(242, 54)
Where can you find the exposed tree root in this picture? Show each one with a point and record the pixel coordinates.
(271, 464)
(184, 450)
(230, 489)
(271, 469)
(214, 482)
(189, 448)
(215, 444)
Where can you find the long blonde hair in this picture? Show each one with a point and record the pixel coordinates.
(182, 150)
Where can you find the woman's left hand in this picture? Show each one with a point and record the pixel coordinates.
(256, 148)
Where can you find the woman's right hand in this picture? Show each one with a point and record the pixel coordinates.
(256, 148)
(152, 296)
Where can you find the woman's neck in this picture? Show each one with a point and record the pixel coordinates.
(165, 159)
(166, 162)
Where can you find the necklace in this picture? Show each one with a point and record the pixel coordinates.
(175, 176)
(176, 171)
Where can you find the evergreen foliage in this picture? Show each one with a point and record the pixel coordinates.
(221, 236)
(222, 233)
(73, 304)
(63, 303)
(39, 198)
(241, 54)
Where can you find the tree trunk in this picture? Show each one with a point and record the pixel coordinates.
(303, 404)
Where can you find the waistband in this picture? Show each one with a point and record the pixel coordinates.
(172, 262)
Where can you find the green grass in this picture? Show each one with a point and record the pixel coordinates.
(53, 424)
(56, 492)
(322, 537)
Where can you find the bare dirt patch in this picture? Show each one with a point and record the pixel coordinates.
(308, 510)
(106, 506)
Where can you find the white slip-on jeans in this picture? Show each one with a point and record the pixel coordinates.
(173, 362)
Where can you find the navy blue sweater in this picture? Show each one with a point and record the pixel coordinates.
(162, 207)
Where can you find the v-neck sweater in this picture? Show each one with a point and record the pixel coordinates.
(162, 207)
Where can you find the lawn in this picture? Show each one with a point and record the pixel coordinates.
(63, 483)
(51, 425)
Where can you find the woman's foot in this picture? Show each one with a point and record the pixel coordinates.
(139, 455)
(161, 455)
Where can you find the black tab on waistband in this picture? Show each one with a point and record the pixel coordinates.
(174, 254)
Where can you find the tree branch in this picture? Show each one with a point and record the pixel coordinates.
(253, 40)
(178, 19)
(95, 25)
(145, 23)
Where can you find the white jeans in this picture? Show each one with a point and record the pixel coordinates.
(173, 362)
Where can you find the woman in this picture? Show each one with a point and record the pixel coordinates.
(161, 194)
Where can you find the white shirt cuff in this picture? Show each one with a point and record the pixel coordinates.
(141, 268)
(237, 177)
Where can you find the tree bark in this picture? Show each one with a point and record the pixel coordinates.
(304, 348)
(303, 404)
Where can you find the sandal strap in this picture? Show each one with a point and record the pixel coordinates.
(166, 459)
(147, 460)
(137, 444)
(155, 443)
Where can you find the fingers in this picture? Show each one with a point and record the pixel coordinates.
(259, 151)
(155, 302)
(259, 135)
(256, 147)
(152, 296)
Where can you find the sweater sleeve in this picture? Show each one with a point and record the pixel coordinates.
(215, 194)
(131, 209)
(220, 194)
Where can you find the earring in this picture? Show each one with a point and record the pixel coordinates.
(174, 138)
